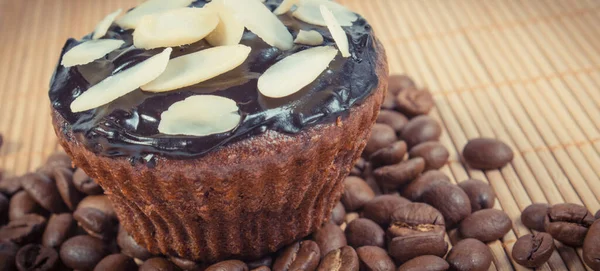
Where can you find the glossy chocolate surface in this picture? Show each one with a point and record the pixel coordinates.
(128, 126)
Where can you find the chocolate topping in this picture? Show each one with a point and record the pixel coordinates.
(128, 126)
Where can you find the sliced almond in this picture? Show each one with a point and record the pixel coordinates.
(174, 28)
(261, 21)
(105, 24)
(229, 31)
(198, 67)
(200, 115)
(309, 11)
(122, 83)
(284, 7)
(89, 51)
(338, 34)
(133, 18)
(294, 72)
(311, 37)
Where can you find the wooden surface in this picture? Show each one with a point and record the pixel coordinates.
(527, 72)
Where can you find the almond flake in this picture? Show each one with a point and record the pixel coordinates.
(105, 24)
(294, 72)
(308, 11)
(338, 34)
(122, 83)
(284, 7)
(261, 21)
(200, 115)
(198, 67)
(133, 18)
(89, 51)
(229, 31)
(174, 28)
(311, 37)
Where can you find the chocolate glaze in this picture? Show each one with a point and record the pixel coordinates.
(128, 126)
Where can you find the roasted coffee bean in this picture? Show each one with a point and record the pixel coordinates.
(370, 179)
(393, 119)
(469, 254)
(116, 262)
(304, 255)
(100, 202)
(533, 216)
(417, 214)
(364, 232)
(413, 101)
(450, 200)
(85, 184)
(533, 250)
(82, 252)
(425, 263)
(96, 223)
(60, 227)
(434, 153)
(187, 264)
(44, 191)
(487, 153)
(59, 159)
(411, 241)
(22, 204)
(159, 264)
(338, 213)
(24, 229)
(64, 182)
(568, 223)
(130, 247)
(415, 189)
(389, 155)
(397, 175)
(373, 258)
(398, 83)
(329, 237)
(591, 246)
(11, 185)
(36, 257)
(230, 265)
(8, 253)
(420, 129)
(481, 195)
(342, 259)
(356, 193)
(359, 167)
(266, 261)
(381, 136)
(486, 225)
(380, 208)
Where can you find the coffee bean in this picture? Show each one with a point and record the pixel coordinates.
(265, 261)
(82, 252)
(44, 191)
(8, 253)
(342, 259)
(370, 179)
(64, 182)
(36, 257)
(359, 167)
(261, 268)
(434, 153)
(159, 264)
(533, 250)
(380, 208)
(533, 216)
(425, 263)
(329, 237)
(304, 255)
(487, 153)
(417, 213)
(469, 254)
(381, 136)
(60, 227)
(373, 258)
(413, 101)
(390, 155)
(568, 223)
(415, 189)
(116, 262)
(24, 229)
(11, 185)
(356, 193)
(411, 241)
(397, 175)
(392, 118)
(486, 225)
(130, 247)
(22, 204)
(100, 202)
(85, 184)
(230, 265)
(481, 195)
(420, 129)
(96, 223)
(187, 264)
(398, 83)
(59, 159)
(364, 232)
(338, 213)
(450, 200)
(591, 246)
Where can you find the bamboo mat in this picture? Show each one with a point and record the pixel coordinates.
(526, 72)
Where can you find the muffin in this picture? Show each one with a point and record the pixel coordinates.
(223, 129)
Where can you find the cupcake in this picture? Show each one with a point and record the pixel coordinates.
(220, 129)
